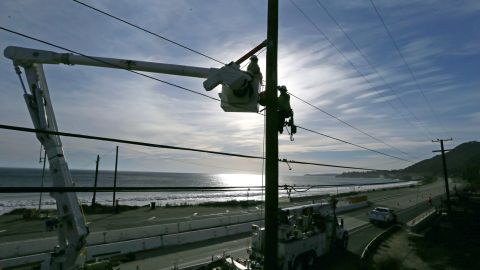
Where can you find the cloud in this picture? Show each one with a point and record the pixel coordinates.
(116, 103)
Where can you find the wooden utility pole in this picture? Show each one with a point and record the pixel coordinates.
(95, 184)
(271, 141)
(445, 173)
(115, 179)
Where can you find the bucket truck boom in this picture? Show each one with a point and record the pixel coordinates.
(239, 94)
(239, 88)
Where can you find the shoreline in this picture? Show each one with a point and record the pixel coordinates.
(15, 228)
(316, 185)
(102, 208)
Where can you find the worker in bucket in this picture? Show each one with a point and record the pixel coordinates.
(254, 69)
(284, 110)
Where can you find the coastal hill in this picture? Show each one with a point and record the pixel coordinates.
(463, 161)
(458, 160)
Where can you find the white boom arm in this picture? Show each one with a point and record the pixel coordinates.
(25, 55)
(235, 82)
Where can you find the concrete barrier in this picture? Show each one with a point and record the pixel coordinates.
(23, 260)
(422, 221)
(23, 248)
(28, 247)
(153, 242)
(350, 207)
(105, 237)
(108, 250)
(150, 237)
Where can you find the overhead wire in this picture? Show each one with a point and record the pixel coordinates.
(148, 31)
(372, 66)
(348, 124)
(98, 138)
(356, 145)
(166, 82)
(377, 91)
(412, 74)
(108, 63)
(186, 47)
(191, 162)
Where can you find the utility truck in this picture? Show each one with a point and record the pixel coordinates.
(305, 233)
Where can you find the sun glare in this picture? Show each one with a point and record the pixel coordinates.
(240, 179)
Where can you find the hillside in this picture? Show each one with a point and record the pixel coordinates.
(459, 159)
(462, 161)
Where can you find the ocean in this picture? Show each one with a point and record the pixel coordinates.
(21, 177)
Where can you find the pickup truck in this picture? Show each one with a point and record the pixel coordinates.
(383, 215)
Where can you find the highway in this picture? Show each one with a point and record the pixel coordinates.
(407, 202)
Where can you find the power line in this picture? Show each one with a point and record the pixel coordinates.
(110, 64)
(150, 77)
(148, 31)
(346, 123)
(191, 162)
(350, 62)
(98, 138)
(407, 65)
(171, 147)
(356, 145)
(159, 36)
(183, 46)
(372, 66)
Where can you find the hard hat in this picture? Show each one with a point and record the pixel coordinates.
(282, 88)
(253, 58)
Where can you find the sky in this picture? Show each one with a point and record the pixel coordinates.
(365, 83)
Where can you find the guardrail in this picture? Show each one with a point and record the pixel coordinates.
(370, 248)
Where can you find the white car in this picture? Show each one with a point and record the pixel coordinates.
(382, 214)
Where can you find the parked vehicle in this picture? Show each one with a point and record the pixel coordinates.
(382, 215)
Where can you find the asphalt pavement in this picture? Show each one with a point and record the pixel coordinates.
(407, 202)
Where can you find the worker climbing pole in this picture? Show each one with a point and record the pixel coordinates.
(285, 111)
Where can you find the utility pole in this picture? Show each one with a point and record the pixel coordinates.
(445, 173)
(115, 180)
(95, 184)
(271, 141)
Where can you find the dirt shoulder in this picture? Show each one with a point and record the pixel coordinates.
(451, 242)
